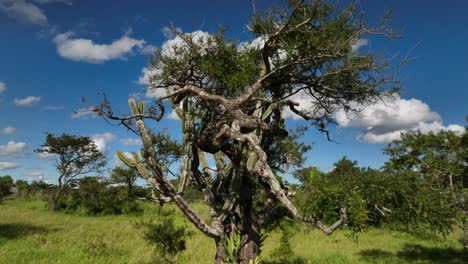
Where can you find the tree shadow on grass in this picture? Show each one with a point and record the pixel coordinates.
(417, 253)
(19, 230)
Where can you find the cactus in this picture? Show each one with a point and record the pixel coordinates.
(125, 159)
(136, 157)
(142, 170)
(133, 106)
(141, 107)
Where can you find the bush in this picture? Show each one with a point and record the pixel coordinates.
(94, 196)
(168, 239)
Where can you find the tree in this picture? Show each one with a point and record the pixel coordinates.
(440, 160)
(374, 197)
(22, 188)
(6, 184)
(74, 156)
(231, 99)
(126, 177)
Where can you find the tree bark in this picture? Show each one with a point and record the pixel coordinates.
(250, 248)
(220, 251)
(54, 199)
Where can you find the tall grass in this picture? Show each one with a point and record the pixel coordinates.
(31, 234)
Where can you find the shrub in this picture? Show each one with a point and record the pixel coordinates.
(168, 239)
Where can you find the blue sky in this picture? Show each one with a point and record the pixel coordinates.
(53, 52)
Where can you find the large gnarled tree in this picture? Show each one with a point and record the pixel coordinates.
(232, 97)
(74, 156)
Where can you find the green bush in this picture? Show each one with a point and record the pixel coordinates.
(168, 239)
(94, 196)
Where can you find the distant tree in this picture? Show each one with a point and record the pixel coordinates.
(125, 176)
(441, 161)
(374, 197)
(74, 156)
(22, 188)
(41, 187)
(231, 99)
(6, 185)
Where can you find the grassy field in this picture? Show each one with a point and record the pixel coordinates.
(30, 234)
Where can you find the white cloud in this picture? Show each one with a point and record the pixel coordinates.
(387, 119)
(169, 32)
(173, 115)
(83, 113)
(12, 148)
(101, 140)
(23, 11)
(168, 49)
(306, 103)
(131, 142)
(45, 155)
(256, 43)
(54, 107)
(148, 50)
(3, 87)
(30, 100)
(85, 50)
(8, 130)
(35, 173)
(7, 165)
(359, 44)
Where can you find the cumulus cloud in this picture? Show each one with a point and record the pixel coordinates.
(359, 44)
(54, 107)
(173, 115)
(8, 130)
(131, 142)
(85, 50)
(30, 100)
(387, 119)
(8, 165)
(83, 113)
(168, 49)
(35, 173)
(3, 87)
(170, 33)
(23, 11)
(12, 149)
(101, 140)
(148, 50)
(45, 155)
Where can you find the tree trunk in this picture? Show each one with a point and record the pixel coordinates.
(54, 199)
(250, 248)
(220, 251)
(251, 241)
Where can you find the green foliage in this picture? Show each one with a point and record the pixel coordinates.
(374, 198)
(76, 154)
(284, 251)
(6, 185)
(232, 245)
(22, 188)
(438, 161)
(165, 236)
(124, 176)
(94, 196)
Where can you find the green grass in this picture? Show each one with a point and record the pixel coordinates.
(31, 234)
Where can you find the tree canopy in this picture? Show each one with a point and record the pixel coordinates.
(232, 98)
(74, 156)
